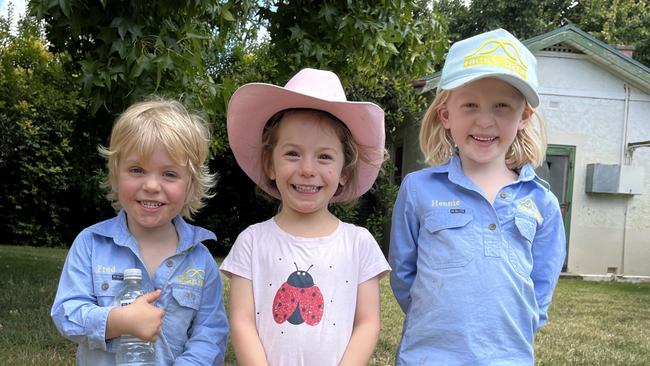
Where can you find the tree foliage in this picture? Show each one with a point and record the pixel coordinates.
(38, 110)
(612, 21)
(624, 22)
(124, 50)
(524, 19)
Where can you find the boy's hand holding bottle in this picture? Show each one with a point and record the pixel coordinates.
(140, 319)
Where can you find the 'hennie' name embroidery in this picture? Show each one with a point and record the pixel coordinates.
(436, 203)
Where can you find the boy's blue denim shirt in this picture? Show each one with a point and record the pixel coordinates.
(474, 278)
(195, 327)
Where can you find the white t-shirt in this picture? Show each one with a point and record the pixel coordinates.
(305, 289)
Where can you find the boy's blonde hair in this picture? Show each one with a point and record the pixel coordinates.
(184, 135)
(438, 146)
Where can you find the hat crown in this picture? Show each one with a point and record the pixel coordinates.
(321, 84)
(492, 54)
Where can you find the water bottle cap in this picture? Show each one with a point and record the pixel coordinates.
(133, 274)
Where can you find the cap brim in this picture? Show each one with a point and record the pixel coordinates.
(252, 105)
(529, 93)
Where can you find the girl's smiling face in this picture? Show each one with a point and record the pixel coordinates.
(307, 161)
(484, 117)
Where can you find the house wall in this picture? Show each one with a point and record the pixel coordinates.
(584, 106)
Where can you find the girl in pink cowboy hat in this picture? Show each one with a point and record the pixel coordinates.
(304, 286)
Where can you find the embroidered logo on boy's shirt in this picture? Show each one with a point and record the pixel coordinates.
(528, 207)
(453, 203)
(457, 211)
(193, 277)
(488, 54)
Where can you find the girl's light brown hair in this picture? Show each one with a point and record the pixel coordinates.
(438, 146)
(184, 135)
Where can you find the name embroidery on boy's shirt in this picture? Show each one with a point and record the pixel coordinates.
(193, 277)
(529, 207)
(104, 269)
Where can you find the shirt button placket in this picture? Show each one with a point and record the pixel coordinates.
(169, 268)
(492, 246)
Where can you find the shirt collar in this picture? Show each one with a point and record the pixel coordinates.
(117, 228)
(456, 175)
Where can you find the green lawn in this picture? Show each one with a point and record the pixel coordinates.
(591, 323)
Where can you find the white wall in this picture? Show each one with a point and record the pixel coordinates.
(584, 106)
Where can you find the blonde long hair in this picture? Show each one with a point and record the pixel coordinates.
(185, 136)
(437, 144)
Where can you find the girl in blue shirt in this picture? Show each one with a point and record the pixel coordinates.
(157, 173)
(477, 240)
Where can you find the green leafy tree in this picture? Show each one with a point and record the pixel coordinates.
(524, 19)
(625, 22)
(612, 21)
(38, 108)
(124, 50)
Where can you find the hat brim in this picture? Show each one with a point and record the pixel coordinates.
(252, 105)
(529, 93)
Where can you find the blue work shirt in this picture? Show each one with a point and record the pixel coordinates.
(195, 328)
(474, 279)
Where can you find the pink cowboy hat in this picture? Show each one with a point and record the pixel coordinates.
(252, 105)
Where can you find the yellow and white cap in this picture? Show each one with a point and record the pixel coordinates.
(497, 54)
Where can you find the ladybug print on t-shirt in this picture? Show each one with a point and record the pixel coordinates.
(298, 300)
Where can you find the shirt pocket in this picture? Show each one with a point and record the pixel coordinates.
(105, 288)
(449, 238)
(183, 305)
(520, 248)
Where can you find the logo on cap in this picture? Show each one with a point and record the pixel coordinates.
(487, 54)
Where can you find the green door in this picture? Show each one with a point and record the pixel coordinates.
(557, 170)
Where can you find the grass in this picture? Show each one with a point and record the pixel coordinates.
(592, 323)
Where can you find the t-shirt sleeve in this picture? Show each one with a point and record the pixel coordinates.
(371, 259)
(238, 260)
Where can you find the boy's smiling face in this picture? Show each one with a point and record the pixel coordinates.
(152, 192)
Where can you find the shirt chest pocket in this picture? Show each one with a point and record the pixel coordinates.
(448, 238)
(187, 297)
(105, 288)
(527, 226)
(520, 248)
(183, 305)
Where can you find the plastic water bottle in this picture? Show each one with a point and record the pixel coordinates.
(133, 351)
